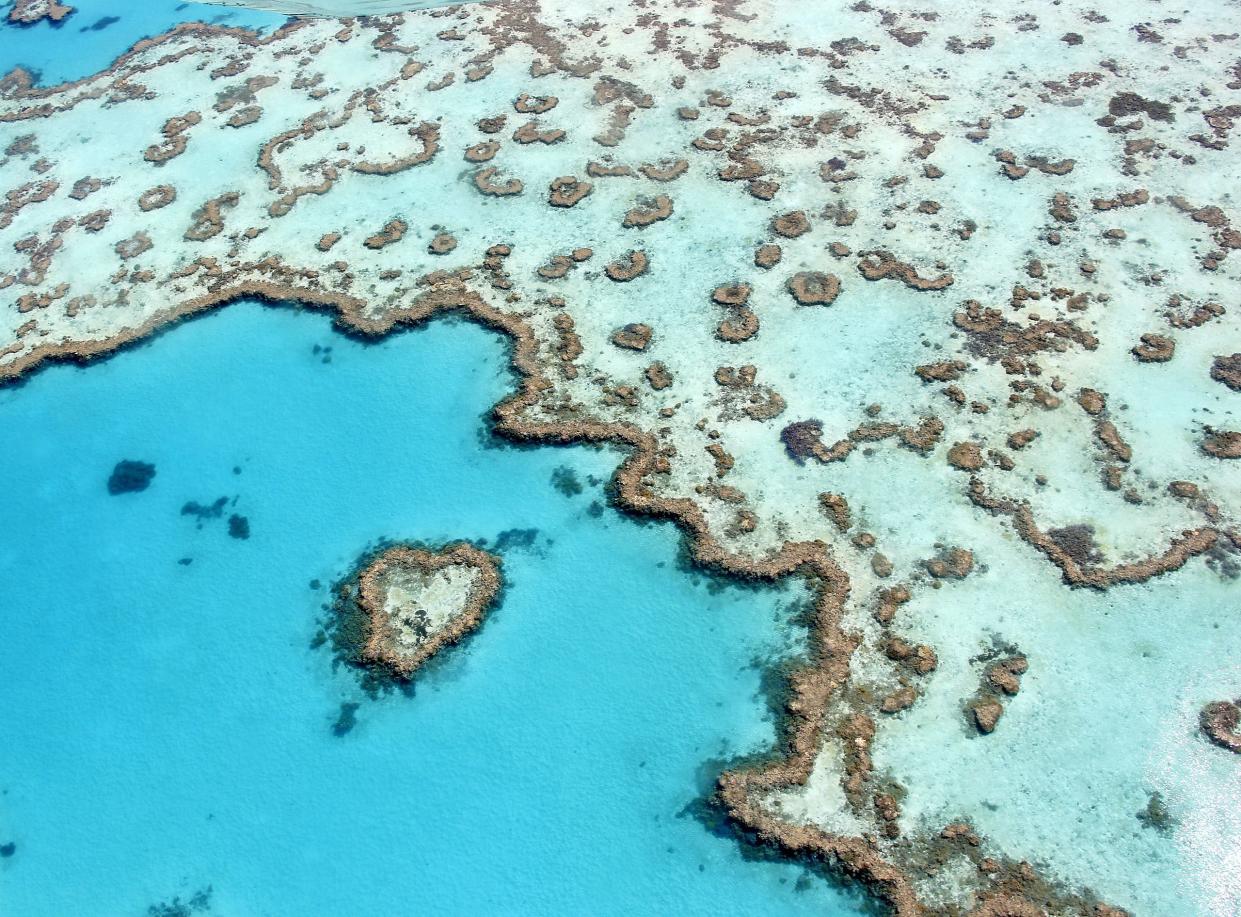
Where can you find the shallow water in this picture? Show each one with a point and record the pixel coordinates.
(169, 729)
(1106, 717)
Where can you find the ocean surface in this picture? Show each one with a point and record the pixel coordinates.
(169, 731)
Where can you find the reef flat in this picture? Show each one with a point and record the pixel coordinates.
(882, 298)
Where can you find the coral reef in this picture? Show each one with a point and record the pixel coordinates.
(1021, 342)
(1221, 722)
(1228, 371)
(405, 604)
(814, 288)
(28, 12)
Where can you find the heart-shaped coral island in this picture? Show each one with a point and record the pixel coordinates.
(406, 603)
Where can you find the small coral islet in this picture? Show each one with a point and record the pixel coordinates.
(405, 604)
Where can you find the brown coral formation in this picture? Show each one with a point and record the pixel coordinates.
(666, 171)
(1221, 444)
(484, 151)
(1086, 571)
(985, 712)
(393, 231)
(175, 138)
(1001, 679)
(944, 371)
(965, 456)
(741, 325)
(569, 344)
(1022, 438)
(84, 187)
(209, 218)
(1092, 401)
(568, 190)
(1111, 439)
(244, 116)
(634, 336)
(837, 509)
(1227, 370)
(652, 210)
(558, 266)
(658, 377)
(767, 255)
(399, 603)
(1155, 348)
(732, 294)
(1005, 675)
(952, 563)
(157, 197)
(803, 439)
(134, 246)
(442, 244)
(28, 12)
(923, 437)
(530, 133)
(599, 170)
(1221, 723)
(635, 264)
(527, 104)
(791, 225)
(814, 288)
(879, 264)
(484, 182)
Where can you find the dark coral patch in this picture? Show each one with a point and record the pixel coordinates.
(238, 526)
(130, 477)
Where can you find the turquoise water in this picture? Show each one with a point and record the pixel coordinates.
(168, 727)
(89, 41)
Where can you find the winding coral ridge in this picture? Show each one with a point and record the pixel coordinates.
(1013, 261)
